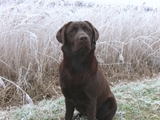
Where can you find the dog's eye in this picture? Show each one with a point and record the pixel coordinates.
(87, 29)
(72, 31)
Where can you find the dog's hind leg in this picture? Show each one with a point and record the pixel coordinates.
(107, 109)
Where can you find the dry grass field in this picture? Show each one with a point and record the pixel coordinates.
(128, 47)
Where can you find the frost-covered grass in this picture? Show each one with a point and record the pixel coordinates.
(136, 101)
(128, 47)
(45, 110)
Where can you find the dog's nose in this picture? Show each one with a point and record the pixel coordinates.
(83, 38)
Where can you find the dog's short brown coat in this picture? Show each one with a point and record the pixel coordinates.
(82, 83)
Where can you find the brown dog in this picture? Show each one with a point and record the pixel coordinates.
(82, 83)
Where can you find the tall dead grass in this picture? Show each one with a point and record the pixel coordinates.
(128, 46)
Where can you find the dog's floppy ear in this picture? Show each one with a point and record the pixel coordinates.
(96, 34)
(61, 34)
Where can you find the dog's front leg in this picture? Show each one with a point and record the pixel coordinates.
(91, 110)
(69, 110)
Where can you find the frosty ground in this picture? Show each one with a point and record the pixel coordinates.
(136, 100)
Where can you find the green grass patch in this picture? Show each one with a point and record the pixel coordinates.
(45, 110)
(136, 101)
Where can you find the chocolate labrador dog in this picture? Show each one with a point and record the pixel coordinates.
(82, 83)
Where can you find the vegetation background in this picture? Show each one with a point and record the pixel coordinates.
(127, 50)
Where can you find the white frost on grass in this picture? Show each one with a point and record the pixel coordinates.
(138, 101)
(2, 83)
(138, 98)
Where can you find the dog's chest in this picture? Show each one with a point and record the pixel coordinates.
(69, 79)
(74, 94)
(77, 89)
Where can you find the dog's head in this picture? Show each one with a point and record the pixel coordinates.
(79, 36)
